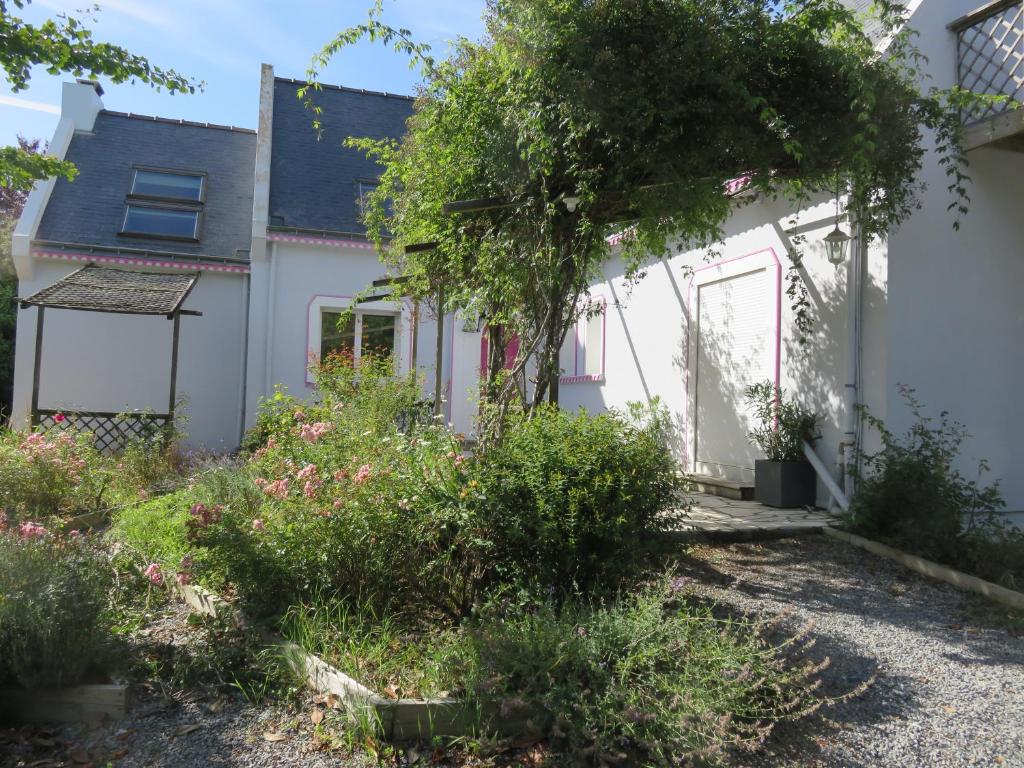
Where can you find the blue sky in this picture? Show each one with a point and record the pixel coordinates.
(224, 42)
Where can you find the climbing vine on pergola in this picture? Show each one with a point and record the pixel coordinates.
(577, 118)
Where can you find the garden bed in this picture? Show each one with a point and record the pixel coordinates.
(401, 719)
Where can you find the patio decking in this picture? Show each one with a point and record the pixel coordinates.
(718, 518)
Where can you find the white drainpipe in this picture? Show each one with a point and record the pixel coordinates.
(853, 336)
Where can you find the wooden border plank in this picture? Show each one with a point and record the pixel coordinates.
(88, 703)
(1007, 597)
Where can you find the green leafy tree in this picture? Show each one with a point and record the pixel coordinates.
(63, 44)
(574, 119)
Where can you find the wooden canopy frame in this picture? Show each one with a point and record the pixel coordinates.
(115, 291)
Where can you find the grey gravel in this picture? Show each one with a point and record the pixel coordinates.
(949, 665)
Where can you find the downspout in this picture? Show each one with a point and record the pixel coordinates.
(243, 386)
(853, 338)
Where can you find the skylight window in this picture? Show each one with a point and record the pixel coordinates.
(165, 205)
(168, 185)
(161, 222)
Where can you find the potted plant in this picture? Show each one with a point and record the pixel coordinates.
(784, 478)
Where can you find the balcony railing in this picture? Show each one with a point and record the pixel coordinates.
(990, 55)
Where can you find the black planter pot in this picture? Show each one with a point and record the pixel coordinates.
(784, 483)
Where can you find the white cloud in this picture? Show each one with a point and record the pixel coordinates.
(35, 106)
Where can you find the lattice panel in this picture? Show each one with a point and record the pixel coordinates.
(112, 432)
(991, 59)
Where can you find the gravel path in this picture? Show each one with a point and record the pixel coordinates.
(950, 673)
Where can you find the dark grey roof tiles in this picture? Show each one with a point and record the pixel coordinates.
(313, 182)
(90, 210)
(101, 289)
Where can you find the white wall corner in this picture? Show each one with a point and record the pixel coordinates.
(32, 214)
(261, 188)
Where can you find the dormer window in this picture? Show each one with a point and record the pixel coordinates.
(164, 204)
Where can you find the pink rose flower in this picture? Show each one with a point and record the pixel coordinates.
(152, 572)
(310, 488)
(30, 530)
(307, 472)
(313, 432)
(60, 417)
(340, 475)
(277, 489)
(258, 525)
(183, 577)
(363, 474)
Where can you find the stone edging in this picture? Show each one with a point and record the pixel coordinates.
(398, 719)
(1007, 597)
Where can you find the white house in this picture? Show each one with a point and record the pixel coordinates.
(277, 242)
(267, 219)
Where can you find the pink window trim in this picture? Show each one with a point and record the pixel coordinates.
(772, 259)
(582, 378)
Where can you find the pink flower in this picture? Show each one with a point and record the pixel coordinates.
(340, 475)
(459, 459)
(363, 474)
(271, 443)
(307, 472)
(30, 530)
(299, 414)
(182, 577)
(313, 432)
(311, 487)
(60, 417)
(338, 503)
(278, 489)
(258, 525)
(259, 482)
(152, 572)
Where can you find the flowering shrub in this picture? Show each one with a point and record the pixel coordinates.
(47, 473)
(54, 624)
(60, 472)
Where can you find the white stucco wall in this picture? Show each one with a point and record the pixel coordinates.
(957, 318)
(297, 275)
(647, 325)
(108, 362)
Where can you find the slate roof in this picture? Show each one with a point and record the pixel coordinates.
(90, 210)
(313, 183)
(101, 289)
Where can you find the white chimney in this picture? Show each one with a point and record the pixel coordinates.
(80, 101)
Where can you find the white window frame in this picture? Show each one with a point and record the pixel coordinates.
(578, 335)
(320, 304)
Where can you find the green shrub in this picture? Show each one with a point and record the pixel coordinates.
(648, 679)
(54, 626)
(573, 501)
(783, 425)
(156, 530)
(911, 494)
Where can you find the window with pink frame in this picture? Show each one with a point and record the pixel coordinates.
(582, 355)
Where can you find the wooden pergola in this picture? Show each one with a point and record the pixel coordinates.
(116, 291)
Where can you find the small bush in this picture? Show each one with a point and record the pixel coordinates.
(783, 425)
(648, 679)
(54, 627)
(573, 501)
(912, 495)
(156, 530)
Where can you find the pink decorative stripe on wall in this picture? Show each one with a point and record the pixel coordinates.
(140, 261)
(313, 240)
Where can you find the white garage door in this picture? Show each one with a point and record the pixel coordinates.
(735, 348)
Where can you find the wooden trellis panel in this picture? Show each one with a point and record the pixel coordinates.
(112, 432)
(990, 55)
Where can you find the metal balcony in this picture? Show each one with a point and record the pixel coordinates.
(990, 60)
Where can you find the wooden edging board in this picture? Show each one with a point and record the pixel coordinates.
(83, 703)
(398, 719)
(1007, 597)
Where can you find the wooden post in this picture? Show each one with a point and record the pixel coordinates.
(439, 356)
(174, 374)
(37, 367)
